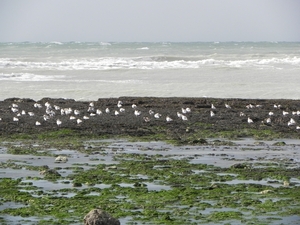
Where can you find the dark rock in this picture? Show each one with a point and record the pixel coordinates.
(99, 217)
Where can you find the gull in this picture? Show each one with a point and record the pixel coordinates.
(294, 113)
(249, 120)
(122, 110)
(14, 109)
(183, 110)
(56, 107)
(291, 122)
(91, 109)
(37, 123)
(15, 119)
(107, 110)
(242, 114)
(50, 112)
(184, 118)
(23, 112)
(285, 113)
(76, 112)
(46, 117)
(212, 106)
(212, 113)
(179, 114)
(277, 106)
(85, 117)
(116, 113)
(120, 103)
(37, 105)
(14, 105)
(72, 118)
(146, 119)
(98, 112)
(298, 113)
(271, 114)
(31, 113)
(137, 112)
(79, 121)
(92, 114)
(258, 106)
(151, 112)
(188, 110)
(62, 112)
(250, 106)
(227, 106)
(133, 106)
(68, 111)
(297, 127)
(19, 114)
(169, 119)
(157, 115)
(58, 122)
(268, 120)
(47, 104)
(91, 104)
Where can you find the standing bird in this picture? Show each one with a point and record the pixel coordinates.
(249, 120)
(58, 122)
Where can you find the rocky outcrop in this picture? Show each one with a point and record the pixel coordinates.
(99, 217)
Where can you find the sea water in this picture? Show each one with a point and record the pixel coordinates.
(88, 71)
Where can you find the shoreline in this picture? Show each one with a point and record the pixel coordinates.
(229, 119)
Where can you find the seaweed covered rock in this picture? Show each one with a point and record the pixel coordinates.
(99, 217)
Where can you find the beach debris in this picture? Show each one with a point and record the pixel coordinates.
(61, 159)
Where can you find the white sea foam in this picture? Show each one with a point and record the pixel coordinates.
(113, 63)
(29, 77)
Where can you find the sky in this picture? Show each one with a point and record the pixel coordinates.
(149, 21)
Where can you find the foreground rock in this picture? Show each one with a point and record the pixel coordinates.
(99, 217)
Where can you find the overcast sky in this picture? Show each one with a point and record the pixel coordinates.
(151, 20)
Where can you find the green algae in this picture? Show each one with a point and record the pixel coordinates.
(185, 197)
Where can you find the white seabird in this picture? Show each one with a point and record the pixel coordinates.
(212, 106)
(58, 122)
(157, 115)
(169, 119)
(151, 112)
(120, 103)
(107, 110)
(249, 120)
(79, 121)
(31, 113)
(76, 112)
(291, 122)
(98, 112)
(37, 123)
(146, 119)
(212, 113)
(184, 118)
(227, 106)
(15, 119)
(285, 113)
(116, 113)
(134, 106)
(137, 112)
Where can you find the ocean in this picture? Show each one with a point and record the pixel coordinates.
(88, 71)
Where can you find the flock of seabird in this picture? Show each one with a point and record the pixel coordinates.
(50, 111)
